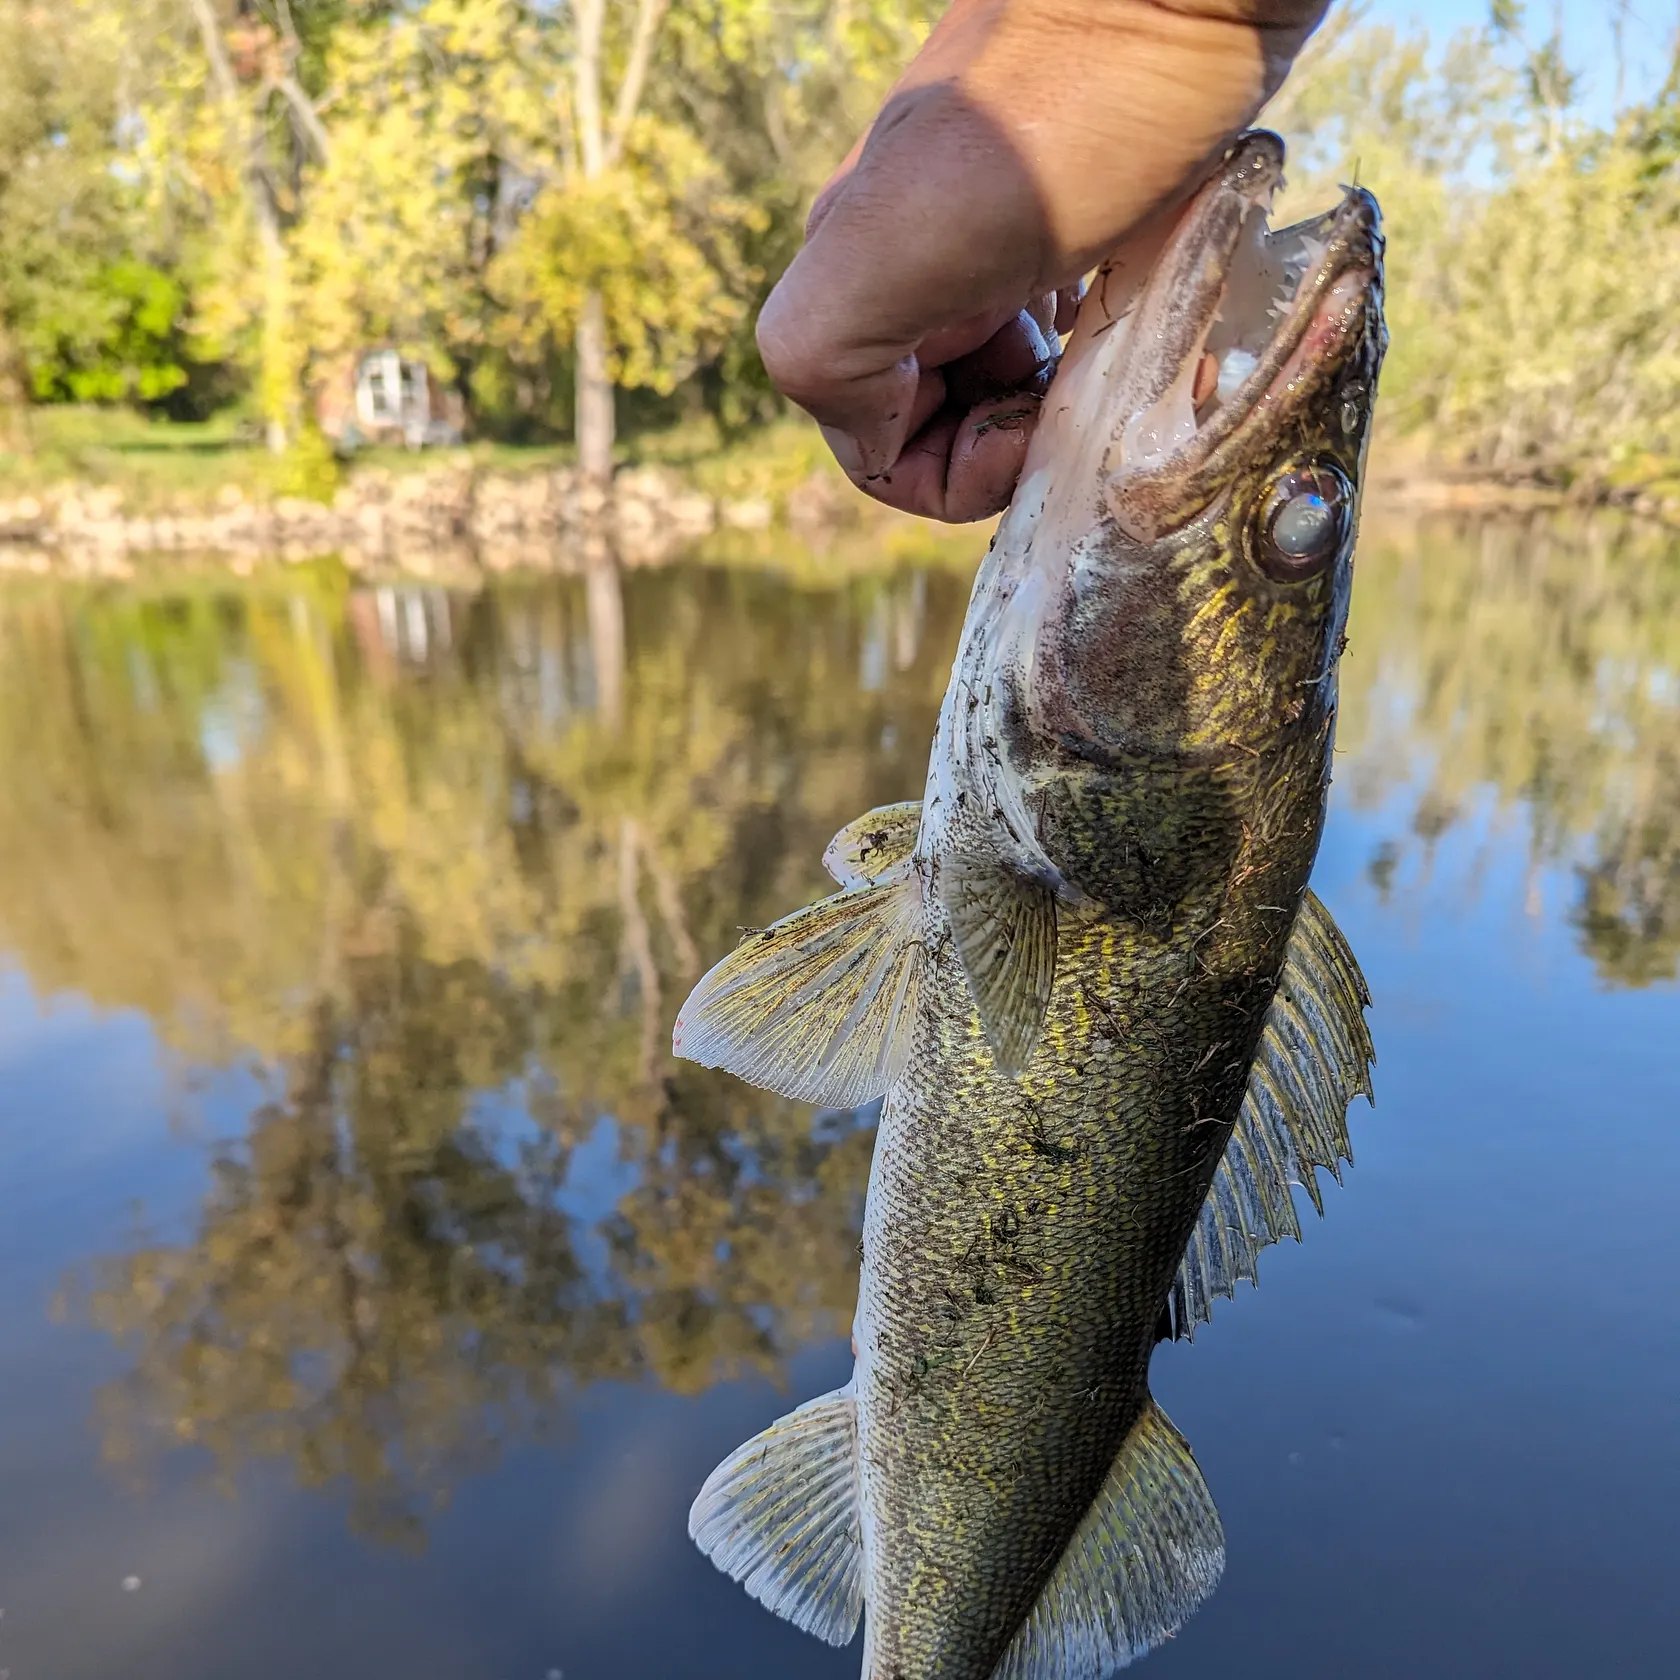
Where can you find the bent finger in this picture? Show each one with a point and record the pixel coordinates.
(963, 465)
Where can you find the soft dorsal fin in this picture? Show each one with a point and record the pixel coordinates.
(780, 1515)
(1146, 1554)
(1314, 1058)
(1003, 924)
(819, 1006)
(868, 846)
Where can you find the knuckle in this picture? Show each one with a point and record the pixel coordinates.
(791, 349)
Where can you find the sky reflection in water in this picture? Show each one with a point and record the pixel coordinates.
(376, 1290)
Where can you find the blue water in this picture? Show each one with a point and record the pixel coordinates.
(1444, 1433)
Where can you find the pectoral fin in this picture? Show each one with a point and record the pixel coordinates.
(820, 1005)
(1003, 924)
(1146, 1554)
(867, 847)
(780, 1515)
(1314, 1058)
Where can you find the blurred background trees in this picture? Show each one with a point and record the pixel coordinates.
(570, 213)
(540, 202)
(1534, 256)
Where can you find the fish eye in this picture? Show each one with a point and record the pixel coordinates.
(1304, 521)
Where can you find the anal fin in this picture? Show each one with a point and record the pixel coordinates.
(1144, 1557)
(780, 1515)
(1313, 1059)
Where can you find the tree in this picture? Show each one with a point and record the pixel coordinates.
(691, 141)
(440, 126)
(63, 206)
(230, 126)
(632, 245)
(527, 197)
(1533, 259)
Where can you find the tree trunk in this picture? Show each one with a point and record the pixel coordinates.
(277, 372)
(594, 395)
(16, 432)
(604, 605)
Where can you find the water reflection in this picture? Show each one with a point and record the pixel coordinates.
(435, 870)
(438, 869)
(1536, 664)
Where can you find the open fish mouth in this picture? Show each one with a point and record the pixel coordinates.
(1236, 329)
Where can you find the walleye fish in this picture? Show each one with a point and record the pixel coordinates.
(1111, 1023)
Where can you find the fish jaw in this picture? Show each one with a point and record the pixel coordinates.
(1160, 600)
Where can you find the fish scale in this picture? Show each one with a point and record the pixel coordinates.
(1046, 1190)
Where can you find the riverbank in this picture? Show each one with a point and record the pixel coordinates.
(461, 515)
(459, 526)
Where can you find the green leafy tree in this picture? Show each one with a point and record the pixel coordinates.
(439, 126)
(72, 312)
(230, 126)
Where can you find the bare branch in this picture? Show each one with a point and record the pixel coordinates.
(649, 15)
(587, 80)
(308, 117)
(283, 16)
(215, 49)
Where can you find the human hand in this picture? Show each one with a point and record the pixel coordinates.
(1028, 141)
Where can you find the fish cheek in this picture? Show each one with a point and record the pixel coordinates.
(1112, 663)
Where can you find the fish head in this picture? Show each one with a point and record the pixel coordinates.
(1182, 540)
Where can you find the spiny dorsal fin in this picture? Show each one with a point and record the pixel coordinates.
(1314, 1058)
(1004, 927)
(868, 846)
(780, 1515)
(819, 1006)
(1146, 1554)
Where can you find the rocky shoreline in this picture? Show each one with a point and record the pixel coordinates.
(459, 523)
(441, 524)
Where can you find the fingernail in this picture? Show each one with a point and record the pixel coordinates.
(1044, 352)
(846, 451)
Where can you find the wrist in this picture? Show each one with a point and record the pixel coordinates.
(1112, 107)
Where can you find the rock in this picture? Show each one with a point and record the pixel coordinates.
(692, 515)
(823, 502)
(751, 513)
(448, 521)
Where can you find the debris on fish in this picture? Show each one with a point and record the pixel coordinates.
(1112, 1024)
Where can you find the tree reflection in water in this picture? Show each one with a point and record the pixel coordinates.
(438, 869)
(1536, 664)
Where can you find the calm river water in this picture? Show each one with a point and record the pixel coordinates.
(375, 1291)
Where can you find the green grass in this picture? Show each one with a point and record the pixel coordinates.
(150, 462)
(160, 463)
